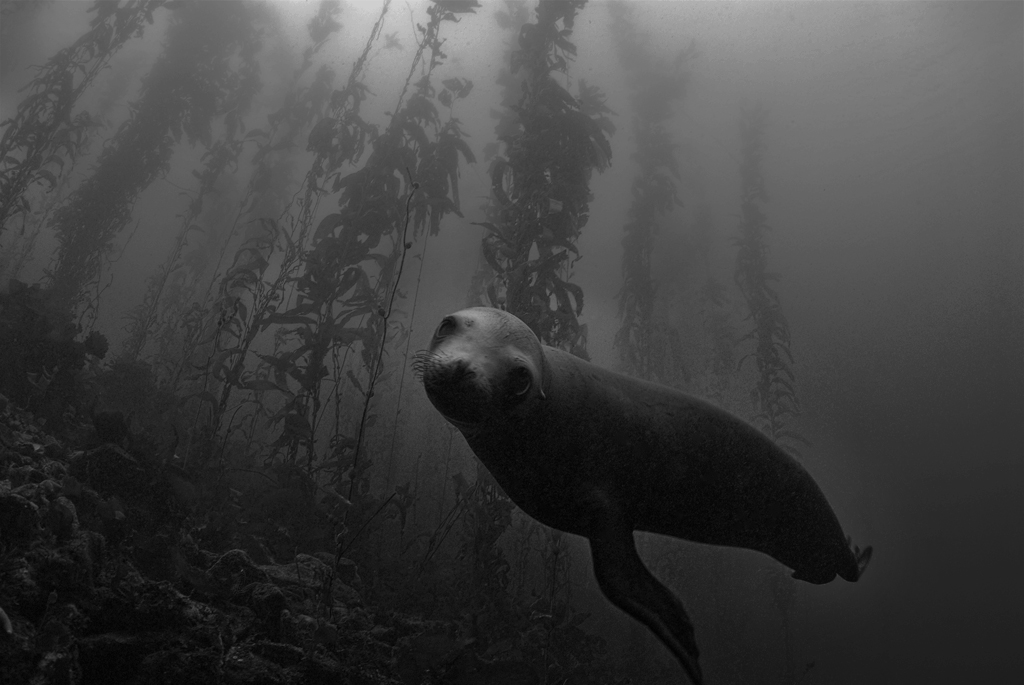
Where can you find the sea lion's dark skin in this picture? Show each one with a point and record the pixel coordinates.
(595, 453)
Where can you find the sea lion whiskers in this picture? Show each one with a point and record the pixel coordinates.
(461, 393)
(420, 361)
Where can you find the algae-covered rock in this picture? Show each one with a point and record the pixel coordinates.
(60, 518)
(307, 573)
(111, 471)
(18, 517)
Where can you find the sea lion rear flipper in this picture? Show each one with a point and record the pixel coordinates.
(861, 556)
(627, 583)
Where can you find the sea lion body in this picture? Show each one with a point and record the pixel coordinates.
(599, 454)
(674, 464)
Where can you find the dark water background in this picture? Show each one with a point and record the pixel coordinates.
(894, 166)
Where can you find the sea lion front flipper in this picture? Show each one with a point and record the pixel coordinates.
(627, 583)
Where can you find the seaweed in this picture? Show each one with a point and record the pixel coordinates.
(648, 346)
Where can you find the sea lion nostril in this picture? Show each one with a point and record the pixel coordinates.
(457, 373)
(436, 373)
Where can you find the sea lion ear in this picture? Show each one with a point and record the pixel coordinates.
(542, 374)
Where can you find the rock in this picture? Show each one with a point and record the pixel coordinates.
(49, 488)
(111, 471)
(180, 666)
(52, 449)
(306, 573)
(241, 667)
(115, 658)
(233, 570)
(18, 518)
(469, 669)
(267, 602)
(418, 654)
(346, 569)
(278, 653)
(347, 572)
(60, 518)
(21, 475)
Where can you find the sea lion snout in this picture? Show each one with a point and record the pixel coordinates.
(453, 386)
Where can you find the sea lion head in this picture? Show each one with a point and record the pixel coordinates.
(483, 365)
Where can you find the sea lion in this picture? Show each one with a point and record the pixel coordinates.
(599, 454)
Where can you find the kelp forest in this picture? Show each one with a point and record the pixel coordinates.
(226, 230)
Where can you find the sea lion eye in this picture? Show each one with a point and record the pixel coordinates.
(519, 380)
(446, 328)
